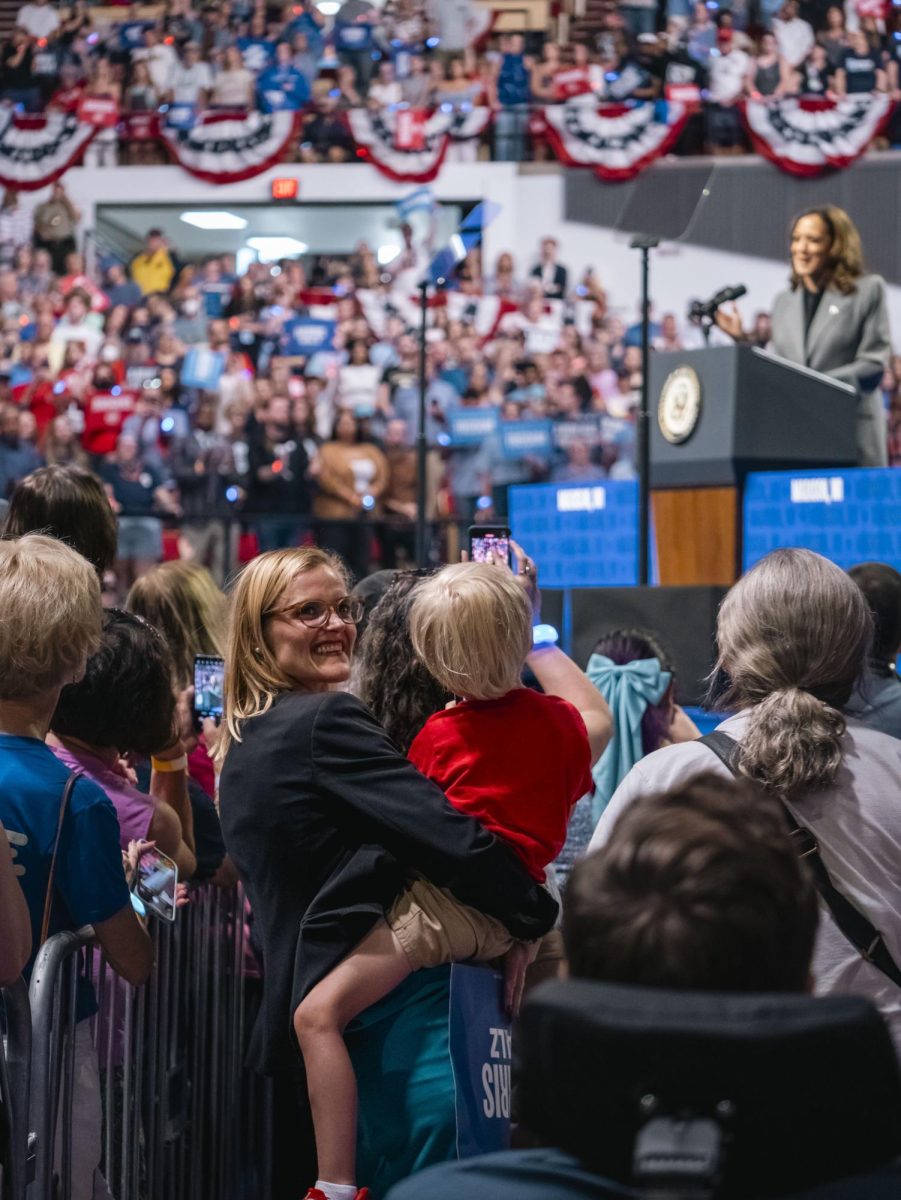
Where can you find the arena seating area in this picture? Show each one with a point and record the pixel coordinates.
(130, 68)
(355, 850)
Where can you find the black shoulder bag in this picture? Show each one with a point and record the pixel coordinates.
(857, 928)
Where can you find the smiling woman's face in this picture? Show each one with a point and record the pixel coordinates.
(810, 246)
(316, 660)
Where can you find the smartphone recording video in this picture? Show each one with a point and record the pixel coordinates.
(154, 883)
(209, 672)
(489, 543)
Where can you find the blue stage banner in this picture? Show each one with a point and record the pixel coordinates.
(306, 335)
(580, 535)
(470, 426)
(848, 516)
(527, 439)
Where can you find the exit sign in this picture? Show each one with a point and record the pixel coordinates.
(284, 189)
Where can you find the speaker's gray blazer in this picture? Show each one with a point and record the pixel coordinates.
(848, 339)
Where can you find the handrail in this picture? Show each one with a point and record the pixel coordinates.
(46, 1007)
(182, 1118)
(15, 1077)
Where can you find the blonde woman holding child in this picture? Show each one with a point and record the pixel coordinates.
(358, 867)
(516, 760)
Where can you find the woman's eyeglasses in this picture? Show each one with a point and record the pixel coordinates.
(316, 613)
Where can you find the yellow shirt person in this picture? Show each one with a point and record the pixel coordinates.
(153, 269)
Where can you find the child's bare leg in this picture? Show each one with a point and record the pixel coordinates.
(372, 970)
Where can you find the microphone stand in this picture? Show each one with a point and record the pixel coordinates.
(645, 244)
(422, 449)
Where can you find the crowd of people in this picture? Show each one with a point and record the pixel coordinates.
(380, 832)
(184, 386)
(218, 428)
(195, 393)
(245, 56)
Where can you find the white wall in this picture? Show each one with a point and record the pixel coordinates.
(531, 204)
(679, 272)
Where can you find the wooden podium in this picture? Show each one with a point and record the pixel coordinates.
(715, 415)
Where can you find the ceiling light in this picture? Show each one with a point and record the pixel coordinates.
(328, 8)
(270, 249)
(213, 219)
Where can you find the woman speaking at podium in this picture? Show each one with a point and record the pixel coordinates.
(833, 318)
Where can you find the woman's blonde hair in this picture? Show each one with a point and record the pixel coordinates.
(794, 634)
(845, 263)
(471, 625)
(182, 601)
(50, 615)
(253, 678)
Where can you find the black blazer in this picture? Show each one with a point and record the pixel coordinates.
(324, 819)
(557, 289)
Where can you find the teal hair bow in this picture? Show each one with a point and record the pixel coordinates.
(628, 690)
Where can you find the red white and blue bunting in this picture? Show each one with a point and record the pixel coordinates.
(408, 145)
(809, 135)
(616, 140)
(802, 135)
(227, 148)
(37, 149)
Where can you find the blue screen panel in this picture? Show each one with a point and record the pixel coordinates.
(848, 516)
(580, 535)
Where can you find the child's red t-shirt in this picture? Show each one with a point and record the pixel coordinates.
(518, 764)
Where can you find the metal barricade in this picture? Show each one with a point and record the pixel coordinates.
(181, 1118)
(15, 1078)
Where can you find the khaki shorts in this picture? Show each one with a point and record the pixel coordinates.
(433, 928)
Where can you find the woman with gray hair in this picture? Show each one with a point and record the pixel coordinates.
(794, 635)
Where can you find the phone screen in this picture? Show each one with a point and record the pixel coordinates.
(489, 543)
(208, 685)
(155, 881)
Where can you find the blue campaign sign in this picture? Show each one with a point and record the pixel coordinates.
(181, 116)
(526, 439)
(307, 335)
(848, 516)
(202, 368)
(480, 1046)
(580, 534)
(131, 34)
(470, 426)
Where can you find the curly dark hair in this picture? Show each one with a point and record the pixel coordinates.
(388, 677)
(126, 698)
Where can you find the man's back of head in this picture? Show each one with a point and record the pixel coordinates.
(697, 889)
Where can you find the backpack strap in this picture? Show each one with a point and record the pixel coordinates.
(856, 927)
(51, 877)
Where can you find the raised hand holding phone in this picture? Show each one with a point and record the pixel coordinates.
(527, 573)
(156, 881)
(209, 686)
(489, 543)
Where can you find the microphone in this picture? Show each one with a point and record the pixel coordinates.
(701, 308)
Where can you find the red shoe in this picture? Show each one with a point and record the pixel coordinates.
(318, 1194)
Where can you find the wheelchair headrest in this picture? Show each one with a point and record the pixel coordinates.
(804, 1091)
